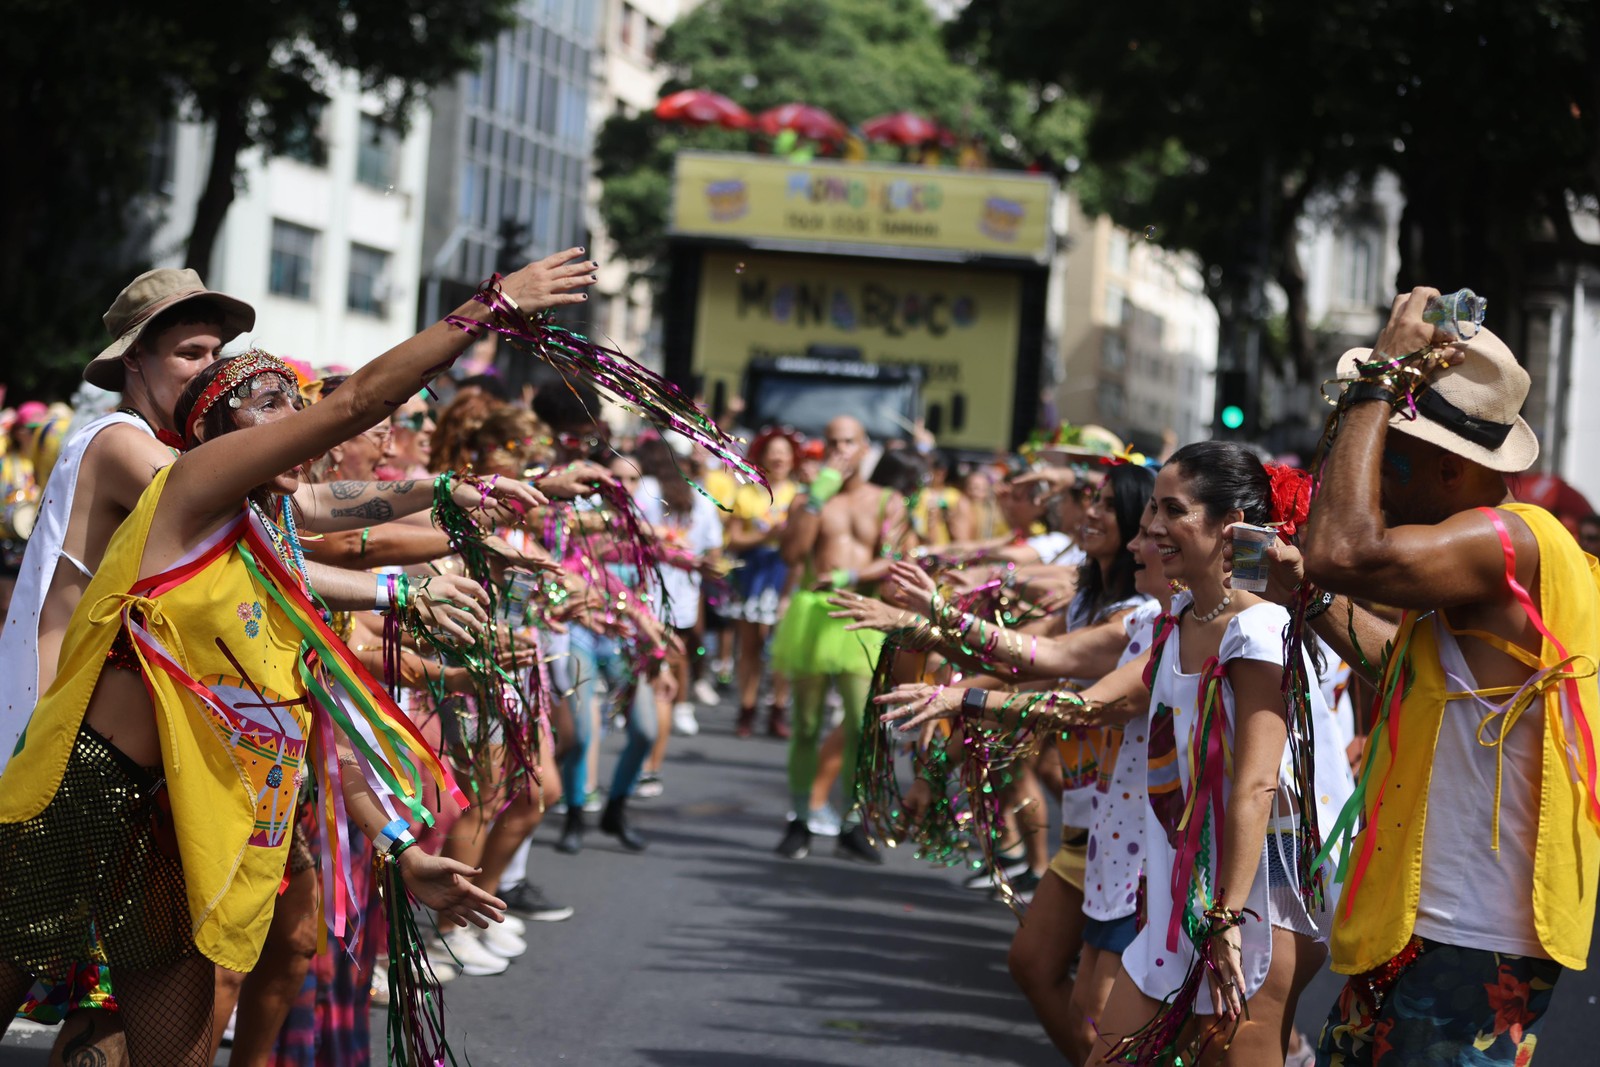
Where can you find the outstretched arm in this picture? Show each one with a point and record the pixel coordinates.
(209, 482)
(327, 507)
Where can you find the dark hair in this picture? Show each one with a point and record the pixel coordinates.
(217, 421)
(1129, 487)
(1590, 519)
(654, 457)
(201, 311)
(566, 405)
(901, 469)
(330, 383)
(492, 384)
(1225, 476)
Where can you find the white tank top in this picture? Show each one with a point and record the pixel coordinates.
(1471, 895)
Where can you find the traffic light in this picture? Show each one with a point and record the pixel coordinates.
(513, 250)
(1236, 407)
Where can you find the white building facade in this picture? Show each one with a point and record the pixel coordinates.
(326, 243)
(1138, 336)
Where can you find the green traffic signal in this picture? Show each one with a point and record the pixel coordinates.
(1233, 416)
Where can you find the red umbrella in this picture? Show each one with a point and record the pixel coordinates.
(809, 122)
(702, 107)
(902, 128)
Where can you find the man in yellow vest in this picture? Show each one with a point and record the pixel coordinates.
(1471, 884)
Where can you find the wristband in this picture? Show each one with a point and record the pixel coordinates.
(394, 839)
(974, 702)
(825, 486)
(383, 598)
(1356, 392)
(1320, 601)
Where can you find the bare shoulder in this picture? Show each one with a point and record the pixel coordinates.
(123, 445)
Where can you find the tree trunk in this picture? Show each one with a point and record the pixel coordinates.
(215, 199)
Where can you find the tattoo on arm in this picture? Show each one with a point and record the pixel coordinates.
(346, 490)
(374, 510)
(398, 488)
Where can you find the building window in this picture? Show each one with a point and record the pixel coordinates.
(1111, 400)
(1115, 298)
(1360, 266)
(1113, 354)
(294, 260)
(1117, 253)
(368, 291)
(377, 154)
(303, 141)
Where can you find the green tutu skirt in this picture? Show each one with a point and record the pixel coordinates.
(807, 643)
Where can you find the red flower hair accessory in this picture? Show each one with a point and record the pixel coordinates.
(1291, 497)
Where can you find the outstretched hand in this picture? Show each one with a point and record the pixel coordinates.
(506, 500)
(551, 282)
(917, 703)
(575, 480)
(445, 885)
(917, 587)
(451, 606)
(865, 612)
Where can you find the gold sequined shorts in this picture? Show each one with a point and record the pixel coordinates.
(100, 861)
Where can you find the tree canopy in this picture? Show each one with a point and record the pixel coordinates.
(1212, 121)
(85, 98)
(855, 58)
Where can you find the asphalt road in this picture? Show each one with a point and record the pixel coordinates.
(709, 951)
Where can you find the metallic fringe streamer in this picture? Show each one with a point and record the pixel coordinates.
(416, 1004)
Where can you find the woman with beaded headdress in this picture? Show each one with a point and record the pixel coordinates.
(149, 808)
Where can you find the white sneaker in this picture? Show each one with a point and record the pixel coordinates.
(502, 942)
(705, 691)
(683, 720)
(474, 959)
(227, 1031)
(823, 822)
(514, 925)
(444, 968)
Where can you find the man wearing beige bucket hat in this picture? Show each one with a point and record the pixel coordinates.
(1472, 882)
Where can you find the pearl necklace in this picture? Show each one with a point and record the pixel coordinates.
(1227, 598)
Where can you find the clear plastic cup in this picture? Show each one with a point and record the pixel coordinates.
(1250, 562)
(519, 589)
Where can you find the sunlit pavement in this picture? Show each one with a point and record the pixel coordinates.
(708, 950)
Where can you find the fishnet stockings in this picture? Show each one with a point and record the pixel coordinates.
(14, 986)
(166, 1011)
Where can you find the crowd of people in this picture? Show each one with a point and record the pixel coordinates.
(296, 654)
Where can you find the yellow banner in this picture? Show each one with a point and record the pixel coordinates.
(918, 209)
(960, 325)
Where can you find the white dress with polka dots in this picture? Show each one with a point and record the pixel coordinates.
(1116, 834)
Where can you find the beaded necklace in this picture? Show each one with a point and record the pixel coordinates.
(285, 539)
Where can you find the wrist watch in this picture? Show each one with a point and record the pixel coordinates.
(974, 701)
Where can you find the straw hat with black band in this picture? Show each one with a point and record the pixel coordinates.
(147, 296)
(1470, 408)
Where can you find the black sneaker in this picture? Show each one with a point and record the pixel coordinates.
(1022, 887)
(854, 844)
(528, 901)
(796, 843)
